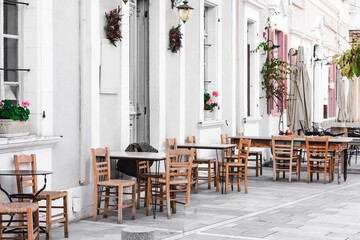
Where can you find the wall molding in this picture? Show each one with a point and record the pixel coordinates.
(20, 144)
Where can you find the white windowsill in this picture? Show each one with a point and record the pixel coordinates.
(252, 119)
(31, 142)
(211, 123)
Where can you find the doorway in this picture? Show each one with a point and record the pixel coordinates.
(139, 71)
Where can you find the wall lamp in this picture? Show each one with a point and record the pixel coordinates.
(184, 10)
(125, 1)
(273, 45)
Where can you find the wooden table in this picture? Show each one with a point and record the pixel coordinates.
(144, 156)
(335, 144)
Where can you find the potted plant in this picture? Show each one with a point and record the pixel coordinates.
(14, 119)
(210, 104)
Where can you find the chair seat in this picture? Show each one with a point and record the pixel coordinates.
(195, 165)
(204, 160)
(17, 207)
(117, 182)
(174, 181)
(53, 195)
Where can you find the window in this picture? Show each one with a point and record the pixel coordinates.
(281, 39)
(210, 53)
(9, 52)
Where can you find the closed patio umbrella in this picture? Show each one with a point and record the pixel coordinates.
(342, 115)
(300, 105)
(350, 100)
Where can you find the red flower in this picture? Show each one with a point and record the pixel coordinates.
(288, 133)
(287, 130)
(281, 131)
(264, 34)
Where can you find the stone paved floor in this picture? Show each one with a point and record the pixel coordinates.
(271, 210)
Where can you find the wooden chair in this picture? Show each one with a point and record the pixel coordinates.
(178, 174)
(101, 167)
(236, 170)
(172, 144)
(31, 210)
(142, 180)
(258, 158)
(227, 155)
(48, 196)
(319, 159)
(285, 157)
(210, 169)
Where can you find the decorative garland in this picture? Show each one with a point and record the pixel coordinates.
(175, 36)
(113, 24)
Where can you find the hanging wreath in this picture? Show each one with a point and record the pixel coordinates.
(175, 39)
(113, 24)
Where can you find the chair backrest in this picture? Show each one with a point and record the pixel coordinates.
(317, 148)
(141, 166)
(170, 145)
(244, 149)
(240, 134)
(282, 148)
(27, 162)
(178, 169)
(101, 164)
(192, 139)
(225, 140)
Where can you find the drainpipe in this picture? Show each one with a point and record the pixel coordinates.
(82, 92)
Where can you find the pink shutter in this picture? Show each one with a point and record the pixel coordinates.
(332, 92)
(285, 48)
(270, 107)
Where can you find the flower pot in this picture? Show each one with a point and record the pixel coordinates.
(208, 115)
(11, 128)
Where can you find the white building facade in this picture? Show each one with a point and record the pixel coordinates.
(93, 94)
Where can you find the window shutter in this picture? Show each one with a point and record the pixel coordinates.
(332, 90)
(285, 48)
(270, 107)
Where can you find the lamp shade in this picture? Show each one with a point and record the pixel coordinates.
(125, 1)
(184, 11)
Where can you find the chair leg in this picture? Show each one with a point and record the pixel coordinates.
(168, 205)
(66, 216)
(173, 197)
(106, 205)
(274, 169)
(148, 197)
(95, 210)
(209, 175)
(261, 166)
(48, 217)
(37, 224)
(215, 174)
(30, 227)
(196, 179)
(161, 197)
(257, 164)
(218, 179)
(245, 180)
(138, 192)
(120, 201)
(133, 208)
(239, 179)
(1, 227)
(226, 179)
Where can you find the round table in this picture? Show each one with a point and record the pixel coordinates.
(21, 173)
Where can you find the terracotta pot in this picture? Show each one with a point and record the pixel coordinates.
(11, 128)
(208, 115)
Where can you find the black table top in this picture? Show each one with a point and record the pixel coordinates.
(23, 172)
